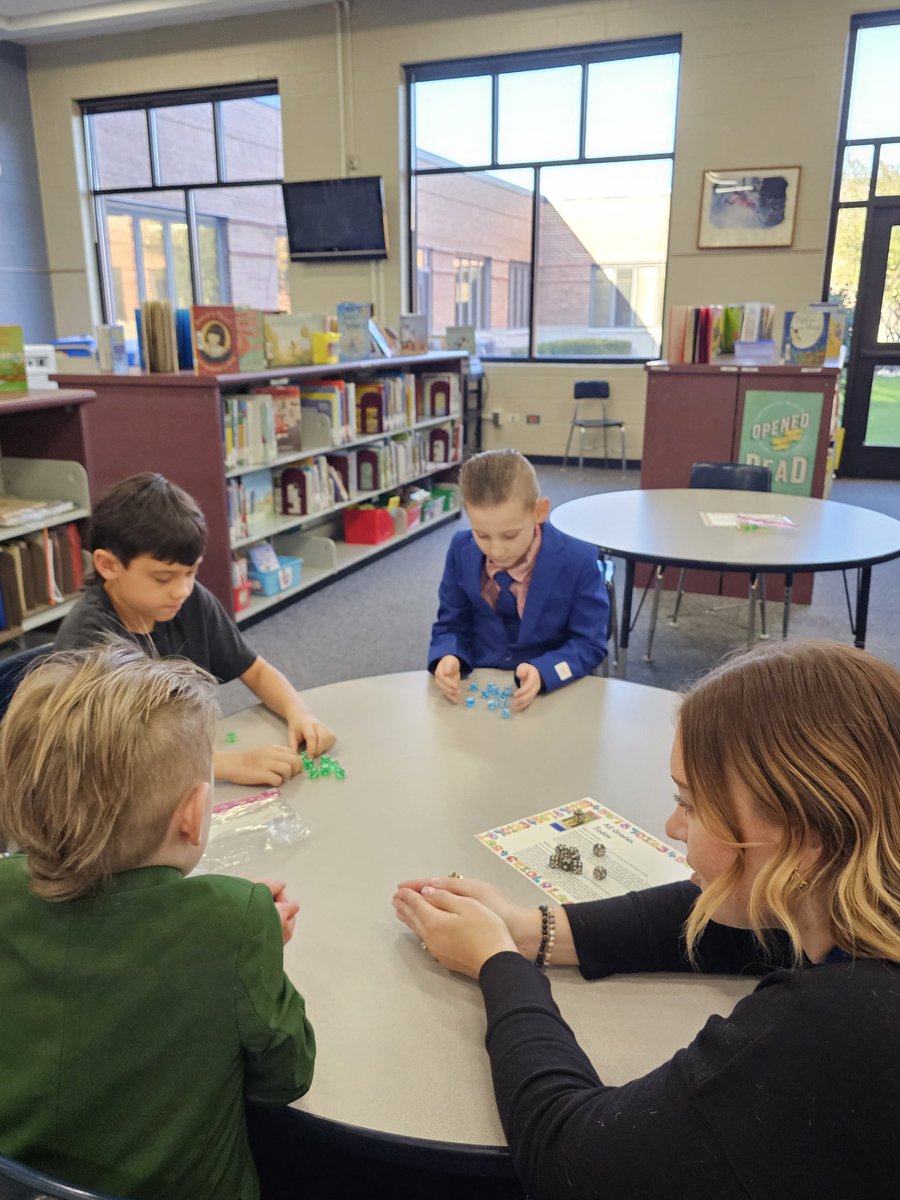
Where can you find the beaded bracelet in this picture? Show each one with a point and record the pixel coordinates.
(548, 937)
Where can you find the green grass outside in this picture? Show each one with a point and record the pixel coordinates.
(883, 426)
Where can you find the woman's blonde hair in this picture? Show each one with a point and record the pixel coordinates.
(812, 731)
(495, 476)
(97, 749)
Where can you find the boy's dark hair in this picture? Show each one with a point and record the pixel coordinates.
(147, 514)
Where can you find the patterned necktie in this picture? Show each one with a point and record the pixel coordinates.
(507, 606)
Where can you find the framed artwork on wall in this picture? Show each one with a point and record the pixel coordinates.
(748, 207)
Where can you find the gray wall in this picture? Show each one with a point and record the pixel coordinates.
(25, 297)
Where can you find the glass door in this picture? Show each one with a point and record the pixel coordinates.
(872, 410)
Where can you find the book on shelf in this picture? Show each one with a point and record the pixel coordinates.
(111, 353)
(258, 501)
(16, 510)
(330, 397)
(805, 340)
(288, 340)
(705, 333)
(460, 337)
(159, 339)
(439, 395)
(383, 340)
(287, 415)
(353, 328)
(413, 333)
(37, 571)
(184, 339)
(262, 557)
(345, 465)
(12, 359)
(215, 339)
(839, 319)
(304, 489)
(251, 339)
(249, 432)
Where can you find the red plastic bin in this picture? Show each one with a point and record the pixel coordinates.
(367, 526)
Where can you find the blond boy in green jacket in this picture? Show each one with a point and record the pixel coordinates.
(141, 1007)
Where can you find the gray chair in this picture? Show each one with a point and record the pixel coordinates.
(18, 1182)
(593, 390)
(728, 477)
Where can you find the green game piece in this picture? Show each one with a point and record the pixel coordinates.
(325, 769)
(313, 772)
(231, 738)
(307, 762)
(339, 773)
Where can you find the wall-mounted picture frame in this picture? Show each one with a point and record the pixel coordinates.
(747, 208)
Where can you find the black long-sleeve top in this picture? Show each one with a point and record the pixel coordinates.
(795, 1094)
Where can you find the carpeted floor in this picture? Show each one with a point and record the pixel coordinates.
(378, 620)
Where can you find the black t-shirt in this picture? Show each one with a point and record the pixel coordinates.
(793, 1096)
(201, 631)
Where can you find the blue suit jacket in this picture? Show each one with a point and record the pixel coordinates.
(564, 625)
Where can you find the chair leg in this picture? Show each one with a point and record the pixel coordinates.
(751, 612)
(605, 447)
(763, 631)
(580, 448)
(654, 612)
(568, 444)
(622, 432)
(673, 620)
(613, 620)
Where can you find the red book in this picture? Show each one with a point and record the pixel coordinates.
(74, 539)
(215, 339)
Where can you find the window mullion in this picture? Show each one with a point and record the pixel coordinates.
(193, 240)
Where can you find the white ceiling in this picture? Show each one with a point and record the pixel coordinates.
(28, 21)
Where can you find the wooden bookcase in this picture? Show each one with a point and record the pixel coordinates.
(695, 413)
(172, 423)
(42, 458)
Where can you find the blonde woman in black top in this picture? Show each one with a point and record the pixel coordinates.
(786, 766)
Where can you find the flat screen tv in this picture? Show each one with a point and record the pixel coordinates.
(336, 218)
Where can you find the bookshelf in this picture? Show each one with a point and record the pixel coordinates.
(172, 423)
(33, 426)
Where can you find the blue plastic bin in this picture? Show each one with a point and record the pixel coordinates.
(270, 583)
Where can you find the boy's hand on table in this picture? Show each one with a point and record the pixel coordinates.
(271, 765)
(287, 909)
(304, 727)
(446, 676)
(529, 685)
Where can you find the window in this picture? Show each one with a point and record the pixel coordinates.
(473, 285)
(187, 200)
(423, 283)
(557, 169)
(519, 295)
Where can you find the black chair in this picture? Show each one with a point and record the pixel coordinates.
(11, 671)
(593, 390)
(18, 1182)
(607, 570)
(738, 477)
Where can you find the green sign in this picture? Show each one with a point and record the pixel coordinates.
(780, 431)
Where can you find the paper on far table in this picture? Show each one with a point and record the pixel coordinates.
(634, 859)
(731, 520)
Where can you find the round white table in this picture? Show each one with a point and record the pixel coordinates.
(401, 1040)
(664, 526)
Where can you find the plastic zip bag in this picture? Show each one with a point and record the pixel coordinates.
(249, 827)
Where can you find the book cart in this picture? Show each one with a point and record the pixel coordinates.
(41, 562)
(173, 424)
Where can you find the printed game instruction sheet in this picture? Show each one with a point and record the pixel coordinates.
(633, 859)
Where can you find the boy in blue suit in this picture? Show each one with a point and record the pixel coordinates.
(516, 593)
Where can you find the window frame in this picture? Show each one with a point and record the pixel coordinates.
(494, 66)
(148, 102)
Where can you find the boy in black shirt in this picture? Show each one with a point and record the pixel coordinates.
(147, 541)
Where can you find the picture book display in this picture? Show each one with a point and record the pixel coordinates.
(215, 339)
(460, 337)
(251, 341)
(288, 340)
(413, 333)
(12, 359)
(353, 328)
(598, 853)
(806, 336)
